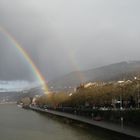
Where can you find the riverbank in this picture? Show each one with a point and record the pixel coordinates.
(101, 124)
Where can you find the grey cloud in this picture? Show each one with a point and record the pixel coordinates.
(63, 36)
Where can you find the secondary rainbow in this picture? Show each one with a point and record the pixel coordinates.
(27, 58)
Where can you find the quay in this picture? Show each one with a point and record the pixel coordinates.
(128, 131)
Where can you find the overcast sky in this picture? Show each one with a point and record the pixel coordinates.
(67, 35)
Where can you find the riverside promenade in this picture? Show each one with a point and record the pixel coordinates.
(102, 124)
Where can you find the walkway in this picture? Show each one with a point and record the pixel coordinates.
(110, 126)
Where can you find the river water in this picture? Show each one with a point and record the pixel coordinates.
(20, 124)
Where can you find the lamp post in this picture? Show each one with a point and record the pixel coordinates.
(138, 94)
(121, 105)
(121, 108)
(121, 102)
(122, 122)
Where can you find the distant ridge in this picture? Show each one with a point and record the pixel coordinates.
(116, 71)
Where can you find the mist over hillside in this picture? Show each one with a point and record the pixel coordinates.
(112, 72)
(17, 94)
(12, 91)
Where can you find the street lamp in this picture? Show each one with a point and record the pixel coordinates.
(138, 93)
(138, 86)
(121, 100)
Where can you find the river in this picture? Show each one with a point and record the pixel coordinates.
(20, 124)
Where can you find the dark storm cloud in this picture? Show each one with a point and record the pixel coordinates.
(12, 64)
(66, 35)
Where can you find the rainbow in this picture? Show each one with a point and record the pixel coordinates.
(25, 55)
